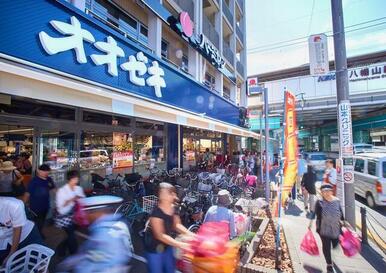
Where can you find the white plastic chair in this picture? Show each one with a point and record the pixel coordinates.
(32, 258)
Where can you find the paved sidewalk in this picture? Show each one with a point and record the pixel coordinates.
(295, 226)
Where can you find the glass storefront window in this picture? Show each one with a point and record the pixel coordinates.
(57, 149)
(16, 145)
(96, 150)
(196, 141)
(149, 149)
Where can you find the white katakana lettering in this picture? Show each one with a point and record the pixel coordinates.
(112, 53)
(136, 67)
(156, 79)
(54, 45)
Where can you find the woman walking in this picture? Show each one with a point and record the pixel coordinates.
(163, 223)
(309, 190)
(65, 203)
(329, 219)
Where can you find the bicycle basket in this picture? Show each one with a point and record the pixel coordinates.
(149, 203)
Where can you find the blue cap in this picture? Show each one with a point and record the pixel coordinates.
(100, 201)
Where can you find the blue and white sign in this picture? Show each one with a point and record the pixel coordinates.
(56, 35)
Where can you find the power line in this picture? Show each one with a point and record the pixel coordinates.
(257, 50)
(312, 15)
(306, 37)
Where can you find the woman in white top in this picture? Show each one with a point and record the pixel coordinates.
(65, 203)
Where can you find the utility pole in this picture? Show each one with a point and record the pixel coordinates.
(267, 182)
(342, 92)
(261, 147)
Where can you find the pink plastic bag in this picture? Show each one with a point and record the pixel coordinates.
(349, 242)
(309, 244)
(251, 180)
(80, 217)
(211, 239)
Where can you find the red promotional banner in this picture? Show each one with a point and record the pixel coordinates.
(290, 145)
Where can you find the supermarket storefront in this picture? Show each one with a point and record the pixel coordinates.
(74, 93)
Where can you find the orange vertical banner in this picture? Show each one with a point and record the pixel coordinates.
(290, 146)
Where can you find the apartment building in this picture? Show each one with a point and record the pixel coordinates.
(118, 86)
(222, 22)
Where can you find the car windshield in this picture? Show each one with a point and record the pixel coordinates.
(318, 157)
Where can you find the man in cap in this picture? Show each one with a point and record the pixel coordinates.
(108, 247)
(220, 212)
(39, 189)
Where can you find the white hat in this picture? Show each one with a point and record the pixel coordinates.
(7, 166)
(100, 201)
(224, 198)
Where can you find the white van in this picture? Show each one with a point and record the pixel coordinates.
(370, 178)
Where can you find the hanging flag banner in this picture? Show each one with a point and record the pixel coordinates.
(290, 146)
(318, 50)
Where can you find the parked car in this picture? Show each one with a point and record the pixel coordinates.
(317, 160)
(370, 178)
(362, 147)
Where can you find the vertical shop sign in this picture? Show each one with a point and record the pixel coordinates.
(290, 145)
(318, 50)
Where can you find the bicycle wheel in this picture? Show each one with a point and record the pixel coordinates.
(194, 228)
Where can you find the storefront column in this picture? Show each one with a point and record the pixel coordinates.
(173, 142)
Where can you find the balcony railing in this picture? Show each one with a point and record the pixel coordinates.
(227, 52)
(241, 4)
(227, 12)
(240, 68)
(188, 6)
(210, 32)
(239, 33)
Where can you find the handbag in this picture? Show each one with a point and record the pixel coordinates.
(63, 220)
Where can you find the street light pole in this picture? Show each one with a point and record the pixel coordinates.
(342, 92)
(266, 110)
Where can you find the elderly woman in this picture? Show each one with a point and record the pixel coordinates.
(66, 197)
(163, 223)
(11, 181)
(329, 219)
(220, 212)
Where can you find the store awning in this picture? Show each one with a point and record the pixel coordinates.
(51, 85)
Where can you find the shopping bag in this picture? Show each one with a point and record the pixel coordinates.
(349, 242)
(80, 217)
(309, 244)
(211, 239)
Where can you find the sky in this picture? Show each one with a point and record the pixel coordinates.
(270, 23)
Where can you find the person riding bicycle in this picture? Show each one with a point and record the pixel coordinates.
(220, 212)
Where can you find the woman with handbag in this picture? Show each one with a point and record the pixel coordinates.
(66, 197)
(329, 219)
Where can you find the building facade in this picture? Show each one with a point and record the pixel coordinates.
(316, 102)
(120, 86)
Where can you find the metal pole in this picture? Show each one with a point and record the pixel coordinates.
(364, 225)
(342, 91)
(266, 110)
(261, 147)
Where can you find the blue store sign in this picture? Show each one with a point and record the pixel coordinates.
(54, 34)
